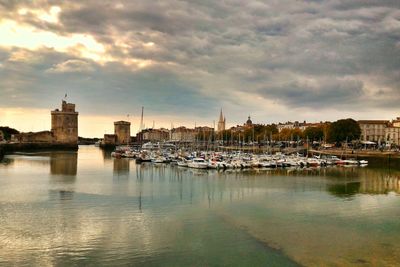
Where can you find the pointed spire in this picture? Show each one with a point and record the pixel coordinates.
(221, 117)
(141, 126)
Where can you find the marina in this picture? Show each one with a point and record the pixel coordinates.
(89, 208)
(223, 160)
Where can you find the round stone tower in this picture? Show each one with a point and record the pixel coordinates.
(122, 129)
(64, 124)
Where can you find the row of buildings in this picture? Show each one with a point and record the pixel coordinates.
(380, 131)
(372, 131)
(64, 130)
(298, 125)
(180, 134)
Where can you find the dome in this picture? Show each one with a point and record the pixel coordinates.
(249, 122)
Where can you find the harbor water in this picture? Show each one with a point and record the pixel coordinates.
(87, 209)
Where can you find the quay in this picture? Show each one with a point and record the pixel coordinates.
(354, 153)
(22, 147)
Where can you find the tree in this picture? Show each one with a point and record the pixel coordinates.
(289, 135)
(344, 130)
(259, 132)
(314, 133)
(7, 131)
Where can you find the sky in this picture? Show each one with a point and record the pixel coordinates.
(276, 60)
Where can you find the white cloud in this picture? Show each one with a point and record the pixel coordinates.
(14, 34)
(72, 65)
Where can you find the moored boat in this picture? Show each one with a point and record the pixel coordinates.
(198, 163)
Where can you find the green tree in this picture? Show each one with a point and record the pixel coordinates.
(342, 130)
(314, 133)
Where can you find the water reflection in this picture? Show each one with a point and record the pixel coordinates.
(121, 169)
(65, 163)
(106, 154)
(344, 190)
(61, 195)
(7, 161)
(121, 213)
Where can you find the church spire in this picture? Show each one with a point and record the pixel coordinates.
(221, 122)
(221, 117)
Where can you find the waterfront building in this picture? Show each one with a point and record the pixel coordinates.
(291, 125)
(288, 125)
(121, 136)
(392, 132)
(153, 135)
(122, 130)
(237, 129)
(183, 134)
(221, 122)
(299, 125)
(396, 122)
(392, 135)
(109, 140)
(64, 124)
(204, 133)
(373, 130)
(204, 129)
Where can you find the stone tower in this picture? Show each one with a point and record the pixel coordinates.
(64, 124)
(221, 122)
(122, 129)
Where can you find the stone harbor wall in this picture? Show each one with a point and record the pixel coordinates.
(15, 147)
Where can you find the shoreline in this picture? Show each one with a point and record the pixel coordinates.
(356, 153)
(27, 147)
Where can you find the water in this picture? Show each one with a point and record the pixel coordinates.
(66, 209)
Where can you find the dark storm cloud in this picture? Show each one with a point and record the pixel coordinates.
(305, 93)
(95, 88)
(205, 52)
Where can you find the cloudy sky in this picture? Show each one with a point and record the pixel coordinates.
(277, 60)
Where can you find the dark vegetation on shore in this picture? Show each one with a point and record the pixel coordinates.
(8, 131)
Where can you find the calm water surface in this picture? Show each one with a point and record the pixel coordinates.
(85, 208)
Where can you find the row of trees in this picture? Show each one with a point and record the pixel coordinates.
(257, 133)
(338, 131)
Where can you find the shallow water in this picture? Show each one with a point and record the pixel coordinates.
(85, 208)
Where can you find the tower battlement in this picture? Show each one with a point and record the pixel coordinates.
(67, 107)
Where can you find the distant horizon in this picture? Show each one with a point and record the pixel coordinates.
(86, 122)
